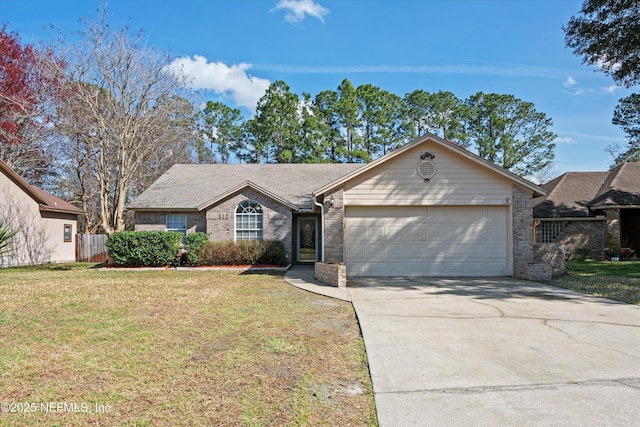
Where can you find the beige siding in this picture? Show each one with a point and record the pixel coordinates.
(458, 181)
(60, 251)
(39, 238)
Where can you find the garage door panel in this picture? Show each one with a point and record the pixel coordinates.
(437, 241)
(409, 232)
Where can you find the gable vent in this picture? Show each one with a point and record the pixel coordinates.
(426, 169)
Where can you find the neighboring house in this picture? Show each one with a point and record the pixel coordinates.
(46, 226)
(591, 210)
(428, 208)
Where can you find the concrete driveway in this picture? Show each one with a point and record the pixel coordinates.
(497, 352)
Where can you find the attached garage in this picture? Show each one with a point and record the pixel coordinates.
(429, 208)
(427, 241)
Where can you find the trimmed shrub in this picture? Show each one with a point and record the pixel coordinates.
(195, 246)
(582, 254)
(144, 248)
(244, 252)
(274, 253)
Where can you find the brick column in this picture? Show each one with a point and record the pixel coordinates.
(522, 212)
(333, 232)
(613, 226)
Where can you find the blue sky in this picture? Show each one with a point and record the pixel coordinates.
(235, 48)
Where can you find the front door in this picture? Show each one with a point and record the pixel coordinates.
(307, 239)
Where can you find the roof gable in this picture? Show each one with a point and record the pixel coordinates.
(537, 191)
(622, 187)
(46, 202)
(241, 187)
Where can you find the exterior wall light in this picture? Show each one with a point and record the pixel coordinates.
(332, 201)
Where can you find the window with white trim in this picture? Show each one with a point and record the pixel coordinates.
(177, 223)
(551, 230)
(249, 221)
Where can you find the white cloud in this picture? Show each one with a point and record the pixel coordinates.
(297, 9)
(607, 65)
(610, 89)
(577, 92)
(564, 140)
(570, 82)
(229, 80)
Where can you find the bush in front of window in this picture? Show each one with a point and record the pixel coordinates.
(244, 252)
(195, 243)
(144, 248)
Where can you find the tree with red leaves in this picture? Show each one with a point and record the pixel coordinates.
(26, 98)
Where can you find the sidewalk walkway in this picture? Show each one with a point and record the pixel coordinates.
(301, 276)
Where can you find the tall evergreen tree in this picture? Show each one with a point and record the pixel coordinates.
(381, 117)
(347, 111)
(277, 123)
(439, 113)
(222, 128)
(627, 116)
(326, 110)
(510, 132)
(605, 33)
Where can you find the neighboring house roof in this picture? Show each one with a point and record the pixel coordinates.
(196, 187)
(579, 194)
(47, 202)
(569, 195)
(622, 187)
(55, 204)
(537, 191)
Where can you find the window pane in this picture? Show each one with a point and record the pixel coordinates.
(248, 221)
(68, 228)
(176, 222)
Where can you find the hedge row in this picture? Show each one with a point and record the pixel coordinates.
(161, 248)
(244, 252)
(144, 248)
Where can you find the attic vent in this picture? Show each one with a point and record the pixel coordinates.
(426, 169)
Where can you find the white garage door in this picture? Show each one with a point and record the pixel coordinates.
(426, 241)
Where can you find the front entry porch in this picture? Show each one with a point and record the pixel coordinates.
(307, 238)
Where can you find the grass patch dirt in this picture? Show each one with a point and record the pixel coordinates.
(618, 281)
(177, 348)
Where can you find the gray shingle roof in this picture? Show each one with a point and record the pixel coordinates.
(575, 194)
(622, 186)
(187, 186)
(569, 195)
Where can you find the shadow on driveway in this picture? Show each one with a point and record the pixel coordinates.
(478, 288)
(497, 351)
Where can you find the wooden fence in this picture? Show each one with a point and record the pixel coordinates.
(91, 248)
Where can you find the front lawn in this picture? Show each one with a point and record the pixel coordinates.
(619, 281)
(171, 348)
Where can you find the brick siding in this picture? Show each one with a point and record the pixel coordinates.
(277, 219)
(551, 254)
(522, 229)
(580, 234)
(334, 227)
(156, 221)
(331, 274)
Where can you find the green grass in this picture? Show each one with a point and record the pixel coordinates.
(177, 348)
(619, 281)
